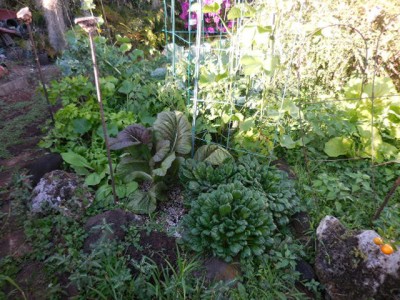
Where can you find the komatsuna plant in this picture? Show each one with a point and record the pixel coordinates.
(150, 154)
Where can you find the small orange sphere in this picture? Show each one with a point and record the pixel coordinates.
(378, 240)
(387, 249)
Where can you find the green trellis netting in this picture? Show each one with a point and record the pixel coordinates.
(245, 84)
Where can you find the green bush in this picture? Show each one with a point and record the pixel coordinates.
(231, 221)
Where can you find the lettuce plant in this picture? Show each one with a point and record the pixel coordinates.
(231, 221)
(151, 153)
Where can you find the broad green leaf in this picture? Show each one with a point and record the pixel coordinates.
(127, 87)
(226, 118)
(249, 11)
(125, 47)
(338, 146)
(82, 171)
(212, 8)
(234, 13)
(221, 76)
(121, 191)
(247, 124)
(163, 148)
(136, 54)
(165, 165)
(112, 130)
(174, 127)
(287, 142)
(75, 160)
(158, 191)
(121, 39)
(263, 29)
(94, 178)
(103, 192)
(131, 187)
(214, 154)
(81, 125)
(251, 65)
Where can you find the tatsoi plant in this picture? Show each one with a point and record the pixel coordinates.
(150, 154)
(231, 221)
(279, 192)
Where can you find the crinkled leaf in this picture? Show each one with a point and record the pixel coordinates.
(225, 210)
(235, 248)
(174, 127)
(142, 202)
(214, 154)
(135, 134)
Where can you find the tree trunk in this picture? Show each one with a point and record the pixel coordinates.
(155, 4)
(53, 13)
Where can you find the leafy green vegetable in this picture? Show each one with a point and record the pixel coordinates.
(143, 161)
(231, 221)
(214, 154)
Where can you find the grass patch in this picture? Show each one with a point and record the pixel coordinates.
(17, 117)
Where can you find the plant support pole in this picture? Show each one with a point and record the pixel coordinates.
(26, 16)
(89, 25)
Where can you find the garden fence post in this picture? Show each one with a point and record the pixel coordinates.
(89, 25)
(25, 16)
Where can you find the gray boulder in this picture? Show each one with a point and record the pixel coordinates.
(60, 191)
(351, 266)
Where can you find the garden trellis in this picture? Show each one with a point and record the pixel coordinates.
(249, 83)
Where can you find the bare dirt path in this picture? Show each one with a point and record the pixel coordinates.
(23, 113)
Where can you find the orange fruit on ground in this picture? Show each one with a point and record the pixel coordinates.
(387, 249)
(378, 240)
